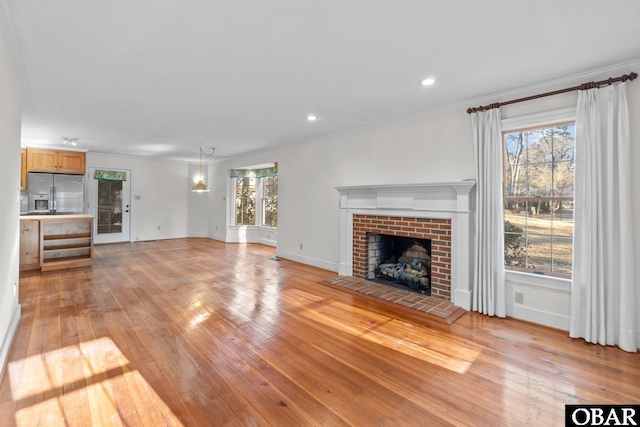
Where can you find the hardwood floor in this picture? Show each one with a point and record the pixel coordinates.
(197, 333)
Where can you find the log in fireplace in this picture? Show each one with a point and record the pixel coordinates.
(402, 262)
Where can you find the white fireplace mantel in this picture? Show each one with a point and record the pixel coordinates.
(443, 200)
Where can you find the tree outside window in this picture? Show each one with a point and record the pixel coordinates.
(252, 193)
(245, 201)
(270, 201)
(538, 199)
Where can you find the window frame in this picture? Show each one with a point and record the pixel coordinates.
(259, 183)
(529, 121)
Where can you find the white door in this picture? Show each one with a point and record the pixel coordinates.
(110, 204)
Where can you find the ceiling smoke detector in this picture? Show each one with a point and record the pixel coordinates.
(70, 141)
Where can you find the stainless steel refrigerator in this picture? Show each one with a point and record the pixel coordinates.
(55, 194)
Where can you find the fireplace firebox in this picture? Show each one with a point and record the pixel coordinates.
(401, 262)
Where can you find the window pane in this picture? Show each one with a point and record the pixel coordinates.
(514, 158)
(539, 252)
(515, 224)
(109, 207)
(564, 143)
(539, 217)
(270, 217)
(539, 161)
(563, 219)
(562, 254)
(539, 177)
(562, 150)
(508, 183)
(245, 201)
(563, 176)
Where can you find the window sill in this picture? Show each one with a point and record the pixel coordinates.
(538, 280)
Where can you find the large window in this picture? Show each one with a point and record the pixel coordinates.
(538, 199)
(251, 193)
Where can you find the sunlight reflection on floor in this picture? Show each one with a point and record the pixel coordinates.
(441, 353)
(61, 383)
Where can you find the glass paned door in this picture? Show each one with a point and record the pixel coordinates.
(110, 205)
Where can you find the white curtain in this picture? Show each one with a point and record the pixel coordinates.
(488, 286)
(603, 293)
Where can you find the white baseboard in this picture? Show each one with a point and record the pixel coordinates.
(539, 317)
(268, 242)
(201, 234)
(218, 237)
(225, 239)
(462, 298)
(325, 265)
(8, 339)
(161, 237)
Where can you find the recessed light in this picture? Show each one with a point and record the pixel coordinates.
(312, 117)
(428, 81)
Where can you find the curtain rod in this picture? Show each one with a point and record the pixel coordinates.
(591, 85)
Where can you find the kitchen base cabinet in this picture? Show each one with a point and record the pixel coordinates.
(66, 242)
(55, 242)
(29, 244)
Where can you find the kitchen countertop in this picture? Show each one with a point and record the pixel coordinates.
(54, 217)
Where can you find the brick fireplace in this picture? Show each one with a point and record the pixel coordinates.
(440, 212)
(436, 230)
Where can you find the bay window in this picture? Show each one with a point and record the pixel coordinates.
(256, 196)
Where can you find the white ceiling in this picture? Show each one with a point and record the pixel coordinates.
(159, 78)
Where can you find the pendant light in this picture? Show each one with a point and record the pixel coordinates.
(201, 187)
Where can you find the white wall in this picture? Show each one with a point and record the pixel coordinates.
(164, 196)
(10, 120)
(437, 148)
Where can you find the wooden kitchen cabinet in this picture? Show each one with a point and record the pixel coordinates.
(56, 161)
(55, 242)
(29, 244)
(65, 242)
